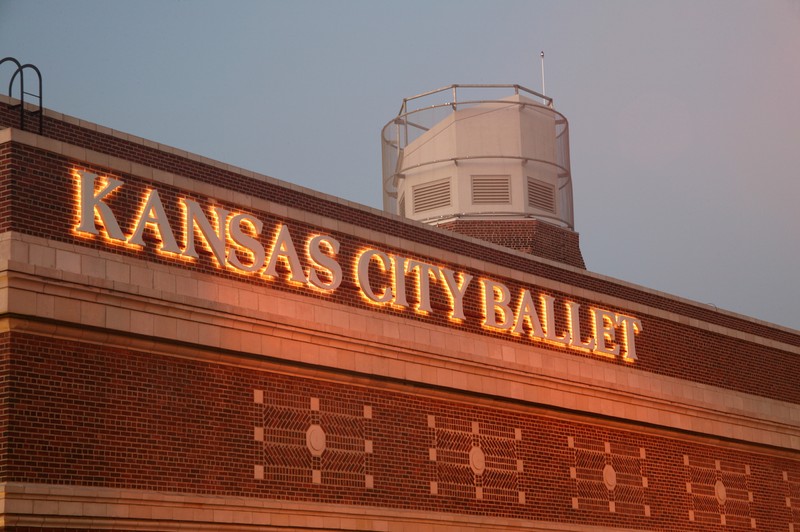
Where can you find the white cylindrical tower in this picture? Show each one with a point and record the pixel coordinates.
(487, 161)
(478, 151)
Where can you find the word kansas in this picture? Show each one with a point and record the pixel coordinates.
(234, 240)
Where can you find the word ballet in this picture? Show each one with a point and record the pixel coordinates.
(235, 241)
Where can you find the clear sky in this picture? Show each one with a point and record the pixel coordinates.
(684, 114)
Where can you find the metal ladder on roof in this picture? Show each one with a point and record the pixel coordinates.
(20, 71)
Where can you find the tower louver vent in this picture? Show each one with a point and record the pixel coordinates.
(541, 195)
(431, 196)
(491, 189)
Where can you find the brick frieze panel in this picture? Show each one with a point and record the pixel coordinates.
(475, 460)
(719, 491)
(608, 477)
(304, 439)
(89, 415)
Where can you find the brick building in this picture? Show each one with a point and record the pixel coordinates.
(189, 345)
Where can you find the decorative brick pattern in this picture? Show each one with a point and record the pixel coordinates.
(304, 439)
(609, 477)
(719, 492)
(473, 460)
(155, 422)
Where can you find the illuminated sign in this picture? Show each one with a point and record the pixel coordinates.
(233, 240)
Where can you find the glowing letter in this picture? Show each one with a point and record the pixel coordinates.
(605, 331)
(456, 291)
(492, 305)
(363, 275)
(249, 243)
(153, 214)
(324, 261)
(426, 273)
(526, 310)
(575, 328)
(550, 322)
(91, 205)
(284, 247)
(214, 238)
(630, 326)
(400, 281)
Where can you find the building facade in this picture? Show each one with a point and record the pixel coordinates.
(189, 345)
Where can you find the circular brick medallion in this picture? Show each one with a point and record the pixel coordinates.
(477, 460)
(720, 492)
(610, 477)
(315, 440)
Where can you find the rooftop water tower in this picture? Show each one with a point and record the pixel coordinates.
(488, 161)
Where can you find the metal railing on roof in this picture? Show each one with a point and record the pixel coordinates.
(20, 71)
(413, 121)
(547, 100)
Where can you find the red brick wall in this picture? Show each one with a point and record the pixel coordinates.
(89, 415)
(528, 236)
(36, 198)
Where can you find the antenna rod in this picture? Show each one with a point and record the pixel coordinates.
(541, 54)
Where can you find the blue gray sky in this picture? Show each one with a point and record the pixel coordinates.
(684, 115)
